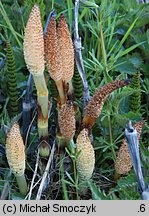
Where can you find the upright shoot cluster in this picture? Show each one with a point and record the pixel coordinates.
(57, 48)
(59, 55)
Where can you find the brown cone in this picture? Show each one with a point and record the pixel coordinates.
(66, 120)
(94, 107)
(66, 49)
(34, 43)
(52, 53)
(15, 150)
(123, 162)
(86, 159)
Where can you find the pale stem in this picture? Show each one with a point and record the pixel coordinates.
(21, 180)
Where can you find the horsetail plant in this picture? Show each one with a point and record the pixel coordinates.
(123, 162)
(66, 114)
(135, 98)
(94, 107)
(86, 157)
(34, 58)
(53, 58)
(66, 120)
(66, 50)
(12, 83)
(77, 84)
(15, 152)
(59, 55)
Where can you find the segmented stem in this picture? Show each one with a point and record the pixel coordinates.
(135, 98)
(12, 82)
(77, 84)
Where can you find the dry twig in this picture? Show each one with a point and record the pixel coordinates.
(39, 193)
(33, 179)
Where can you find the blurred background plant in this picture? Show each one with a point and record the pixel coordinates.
(115, 40)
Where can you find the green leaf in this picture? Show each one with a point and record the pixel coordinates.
(124, 66)
(92, 29)
(97, 194)
(128, 50)
(136, 60)
(5, 17)
(126, 35)
(69, 176)
(90, 4)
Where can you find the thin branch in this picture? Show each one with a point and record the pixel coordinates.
(33, 179)
(78, 55)
(39, 193)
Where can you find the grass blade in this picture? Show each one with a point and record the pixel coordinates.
(4, 14)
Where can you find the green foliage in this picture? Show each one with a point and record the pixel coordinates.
(115, 40)
(135, 98)
(7, 24)
(129, 64)
(12, 83)
(96, 192)
(127, 187)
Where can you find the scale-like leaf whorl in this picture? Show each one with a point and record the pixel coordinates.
(52, 54)
(123, 162)
(34, 43)
(66, 120)
(15, 150)
(86, 158)
(94, 107)
(12, 81)
(77, 84)
(135, 98)
(66, 49)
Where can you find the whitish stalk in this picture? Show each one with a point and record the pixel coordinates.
(43, 107)
(34, 58)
